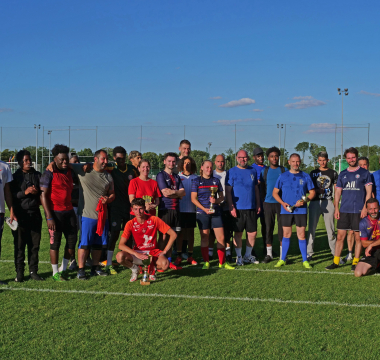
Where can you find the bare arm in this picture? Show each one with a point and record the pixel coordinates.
(369, 245)
(194, 200)
(277, 197)
(45, 204)
(229, 200)
(338, 194)
(173, 236)
(368, 195)
(257, 194)
(124, 247)
(8, 200)
(173, 194)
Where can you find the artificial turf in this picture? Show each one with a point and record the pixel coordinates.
(218, 314)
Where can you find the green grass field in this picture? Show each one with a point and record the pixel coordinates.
(251, 312)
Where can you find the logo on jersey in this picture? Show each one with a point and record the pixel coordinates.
(357, 176)
(351, 185)
(253, 177)
(114, 223)
(130, 177)
(301, 182)
(147, 238)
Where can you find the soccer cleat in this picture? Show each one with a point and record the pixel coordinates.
(239, 261)
(280, 263)
(152, 277)
(353, 267)
(81, 275)
(20, 276)
(332, 266)
(88, 262)
(174, 267)
(58, 277)
(250, 260)
(226, 266)
(72, 265)
(35, 276)
(178, 261)
(190, 260)
(306, 265)
(267, 259)
(110, 270)
(66, 274)
(309, 258)
(98, 272)
(206, 266)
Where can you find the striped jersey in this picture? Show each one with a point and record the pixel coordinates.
(167, 181)
(202, 186)
(185, 204)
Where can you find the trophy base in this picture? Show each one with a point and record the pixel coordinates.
(211, 211)
(144, 282)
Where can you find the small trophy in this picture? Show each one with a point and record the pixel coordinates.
(145, 280)
(303, 198)
(323, 182)
(213, 190)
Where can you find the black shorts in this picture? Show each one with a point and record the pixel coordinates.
(299, 220)
(207, 222)
(373, 260)
(348, 221)
(118, 220)
(245, 220)
(66, 224)
(188, 220)
(170, 217)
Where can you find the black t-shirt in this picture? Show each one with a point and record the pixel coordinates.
(324, 180)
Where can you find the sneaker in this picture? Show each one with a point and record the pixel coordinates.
(342, 261)
(332, 266)
(152, 277)
(306, 265)
(88, 262)
(185, 256)
(206, 266)
(174, 267)
(58, 277)
(178, 261)
(110, 270)
(239, 261)
(353, 267)
(20, 276)
(267, 259)
(191, 261)
(134, 276)
(98, 272)
(73, 265)
(280, 263)
(35, 276)
(229, 259)
(226, 266)
(250, 260)
(81, 275)
(309, 258)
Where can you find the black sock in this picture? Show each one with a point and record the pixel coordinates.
(93, 267)
(81, 269)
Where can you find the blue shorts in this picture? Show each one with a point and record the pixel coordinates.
(89, 237)
(206, 222)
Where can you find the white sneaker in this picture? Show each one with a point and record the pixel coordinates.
(239, 261)
(185, 256)
(152, 277)
(73, 265)
(250, 259)
(348, 257)
(134, 276)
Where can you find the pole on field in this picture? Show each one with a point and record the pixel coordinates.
(43, 144)
(341, 92)
(49, 133)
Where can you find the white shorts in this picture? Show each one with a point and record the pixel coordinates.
(136, 260)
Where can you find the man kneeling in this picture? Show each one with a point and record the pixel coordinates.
(370, 238)
(144, 230)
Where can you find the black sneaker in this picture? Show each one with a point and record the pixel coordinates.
(230, 261)
(20, 276)
(332, 266)
(81, 275)
(267, 259)
(309, 258)
(98, 272)
(353, 267)
(35, 276)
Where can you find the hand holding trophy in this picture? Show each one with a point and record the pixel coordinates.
(213, 190)
(304, 199)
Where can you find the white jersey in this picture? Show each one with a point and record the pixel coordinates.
(185, 204)
(222, 178)
(5, 177)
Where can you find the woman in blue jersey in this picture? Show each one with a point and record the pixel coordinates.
(207, 218)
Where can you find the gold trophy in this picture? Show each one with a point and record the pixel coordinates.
(213, 190)
(303, 198)
(145, 280)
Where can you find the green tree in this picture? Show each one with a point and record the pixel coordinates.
(199, 156)
(156, 160)
(315, 149)
(230, 158)
(302, 147)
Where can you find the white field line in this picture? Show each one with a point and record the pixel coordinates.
(195, 297)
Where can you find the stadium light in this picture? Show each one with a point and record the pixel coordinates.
(345, 92)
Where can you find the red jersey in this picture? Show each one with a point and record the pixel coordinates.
(145, 235)
(147, 190)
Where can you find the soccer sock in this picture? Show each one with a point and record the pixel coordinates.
(221, 255)
(55, 268)
(355, 261)
(285, 247)
(269, 251)
(248, 250)
(238, 251)
(336, 260)
(109, 257)
(204, 251)
(210, 251)
(303, 247)
(65, 262)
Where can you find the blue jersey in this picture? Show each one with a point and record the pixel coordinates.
(369, 230)
(271, 180)
(293, 187)
(353, 185)
(243, 182)
(166, 181)
(376, 184)
(259, 169)
(202, 186)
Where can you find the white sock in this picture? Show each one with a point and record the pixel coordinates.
(238, 251)
(63, 267)
(135, 268)
(280, 252)
(248, 251)
(269, 251)
(55, 268)
(228, 251)
(210, 251)
(109, 257)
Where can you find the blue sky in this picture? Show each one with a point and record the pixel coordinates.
(118, 64)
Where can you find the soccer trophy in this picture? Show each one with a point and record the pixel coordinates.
(145, 280)
(213, 190)
(303, 198)
(323, 182)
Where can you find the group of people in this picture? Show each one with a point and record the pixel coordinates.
(101, 199)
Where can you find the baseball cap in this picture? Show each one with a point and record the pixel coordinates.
(258, 151)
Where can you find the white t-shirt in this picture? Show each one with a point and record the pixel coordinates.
(5, 177)
(185, 204)
(222, 178)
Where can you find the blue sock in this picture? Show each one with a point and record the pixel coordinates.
(285, 247)
(303, 247)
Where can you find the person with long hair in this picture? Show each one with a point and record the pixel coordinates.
(209, 218)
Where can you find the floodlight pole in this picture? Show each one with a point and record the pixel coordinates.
(341, 92)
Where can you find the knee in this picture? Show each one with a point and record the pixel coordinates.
(120, 257)
(358, 273)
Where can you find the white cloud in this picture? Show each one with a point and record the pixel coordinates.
(231, 122)
(368, 93)
(305, 102)
(321, 128)
(5, 110)
(215, 98)
(241, 102)
(256, 110)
